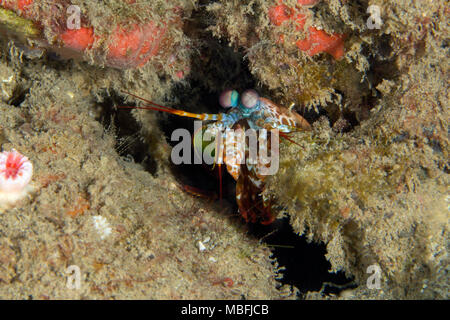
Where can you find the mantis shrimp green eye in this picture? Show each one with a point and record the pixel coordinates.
(250, 98)
(229, 98)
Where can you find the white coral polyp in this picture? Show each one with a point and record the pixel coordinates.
(102, 226)
(15, 175)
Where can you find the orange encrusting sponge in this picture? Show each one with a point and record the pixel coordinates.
(78, 39)
(316, 41)
(319, 41)
(128, 45)
(134, 46)
(280, 13)
(307, 2)
(16, 4)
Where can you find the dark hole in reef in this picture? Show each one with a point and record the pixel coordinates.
(313, 114)
(381, 61)
(19, 96)
(384, 46)
(351, 118)
(305, 264)
(127, 131)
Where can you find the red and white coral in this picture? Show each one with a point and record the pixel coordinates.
(15, 175)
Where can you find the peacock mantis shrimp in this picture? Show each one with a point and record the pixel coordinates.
(248, 111)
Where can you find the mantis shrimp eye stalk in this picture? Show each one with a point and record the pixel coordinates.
(250, 98)
(15, 175)
(229, 98)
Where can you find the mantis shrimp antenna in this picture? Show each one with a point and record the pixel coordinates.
(157, 107)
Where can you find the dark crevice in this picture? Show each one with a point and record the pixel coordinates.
(127, 130)
(19, 96)
(305, 265)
